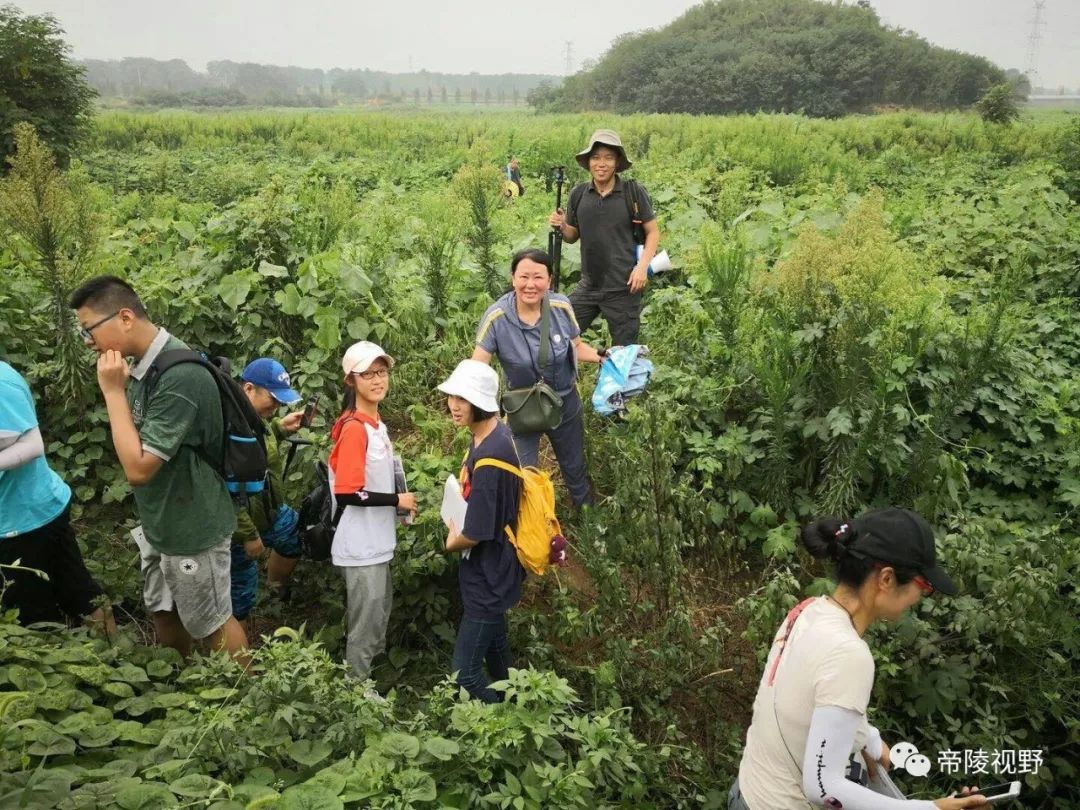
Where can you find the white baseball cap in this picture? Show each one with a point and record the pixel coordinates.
(474, 382)
(359, 357)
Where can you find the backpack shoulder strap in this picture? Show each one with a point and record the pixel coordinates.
(500, 465)
(167, 360)
(510, 468)
(545, 333)
(633, 208)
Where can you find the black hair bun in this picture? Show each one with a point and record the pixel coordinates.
(826, 538)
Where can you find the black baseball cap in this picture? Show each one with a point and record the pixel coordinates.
(901, 538)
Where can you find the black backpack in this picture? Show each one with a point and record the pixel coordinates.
(243, 463)
(633, 205)
(317, 518)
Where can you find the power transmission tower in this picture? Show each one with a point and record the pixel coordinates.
(569, 57)
(1031, 67)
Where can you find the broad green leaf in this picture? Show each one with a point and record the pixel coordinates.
(780, 541)
(25, 679)
(329, 334)
(248, 792)
(99, 736)
(234, 289)
(159, 669)
(272, 270)
(147, 796)
(309, 797)
(289, 299)
(217, 693)
(309, 752)
(49, 743)
(329, 779)
(198, 786)
(359, 328)
(37, 788)
(185, 229)
(172, 700)
(113, 770)
(261, 775)
(441, 748)
(118, 689)
(129, 673)
(400, 744)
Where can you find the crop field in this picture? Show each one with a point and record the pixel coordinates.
(863, 311)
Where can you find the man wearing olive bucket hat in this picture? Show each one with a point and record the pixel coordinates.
(614, 219)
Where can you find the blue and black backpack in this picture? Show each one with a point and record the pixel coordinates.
(243, 463)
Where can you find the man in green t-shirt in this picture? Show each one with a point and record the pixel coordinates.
(167, 443)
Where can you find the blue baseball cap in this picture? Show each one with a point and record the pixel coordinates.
(270, 374)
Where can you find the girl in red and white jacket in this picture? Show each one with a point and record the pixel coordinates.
(362, 482)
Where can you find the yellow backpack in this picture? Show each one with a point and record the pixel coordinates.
(537, 525)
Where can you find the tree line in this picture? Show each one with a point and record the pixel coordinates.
(226, 83)
(745, 56)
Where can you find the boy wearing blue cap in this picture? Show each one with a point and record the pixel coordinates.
(266, 522)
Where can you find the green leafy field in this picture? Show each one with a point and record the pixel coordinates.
(865, 311)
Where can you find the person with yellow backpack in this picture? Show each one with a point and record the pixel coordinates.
(509, 525)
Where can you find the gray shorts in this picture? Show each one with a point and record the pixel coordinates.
(197, 586)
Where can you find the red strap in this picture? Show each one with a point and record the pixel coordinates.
(791, 617)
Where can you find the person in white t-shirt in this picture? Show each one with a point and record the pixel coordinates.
(361, 473)
(810, 711)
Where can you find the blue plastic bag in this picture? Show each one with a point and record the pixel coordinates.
(624, 374)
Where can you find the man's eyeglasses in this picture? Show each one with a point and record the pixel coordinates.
(85, 331)
(381, 373)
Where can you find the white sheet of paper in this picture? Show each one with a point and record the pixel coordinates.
(453, 504)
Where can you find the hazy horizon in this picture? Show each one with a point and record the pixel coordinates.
(497, 37)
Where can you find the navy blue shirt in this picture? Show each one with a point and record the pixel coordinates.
(490, 577)
(517, 345)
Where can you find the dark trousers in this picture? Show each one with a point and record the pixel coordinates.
(735, 799)
(69, 591)
(568, 442)
(621, 309)
(480, 642)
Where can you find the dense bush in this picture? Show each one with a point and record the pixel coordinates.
(821, 59)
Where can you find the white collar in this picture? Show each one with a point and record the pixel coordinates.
(138, 371)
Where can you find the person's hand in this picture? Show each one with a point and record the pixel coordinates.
(451, 533)
(872, 764)
(969, 798)
(254, 548)
(112, 372)
(407, 500)
(638, 279)
(558, 219)
(291, 423)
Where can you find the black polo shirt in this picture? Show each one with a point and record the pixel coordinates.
(608, 250)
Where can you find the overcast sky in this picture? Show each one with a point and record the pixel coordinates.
(494, 36)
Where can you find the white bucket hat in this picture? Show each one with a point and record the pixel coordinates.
(474, 382)
(359, 357)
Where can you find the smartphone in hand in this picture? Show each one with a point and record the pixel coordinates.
(999, 794)
(310, 410)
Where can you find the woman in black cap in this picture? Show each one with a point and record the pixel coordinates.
(810, 710)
